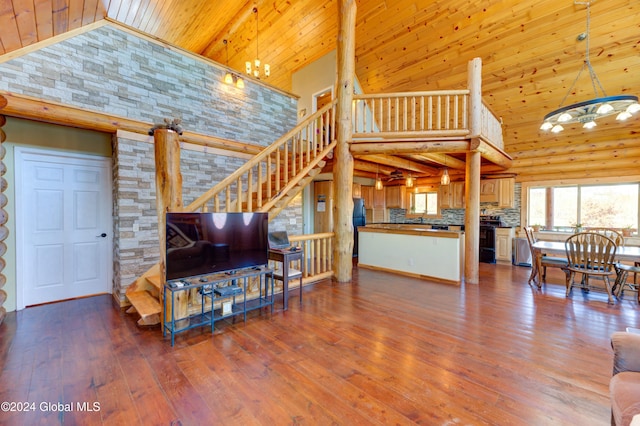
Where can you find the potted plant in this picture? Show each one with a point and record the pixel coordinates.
(536, 227)
(627, 231)
(577, 227)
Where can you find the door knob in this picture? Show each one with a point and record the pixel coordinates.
(103, 235)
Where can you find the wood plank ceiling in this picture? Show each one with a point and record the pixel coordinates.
(529, 48)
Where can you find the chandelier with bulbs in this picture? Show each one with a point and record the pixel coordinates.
(253, 67)
(587, 112)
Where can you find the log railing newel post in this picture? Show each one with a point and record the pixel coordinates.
(168, 198)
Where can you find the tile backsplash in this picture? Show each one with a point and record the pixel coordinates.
(511, 217)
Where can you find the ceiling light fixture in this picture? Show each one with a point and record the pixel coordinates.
(255, 71)
(445, 179)
(378, 180)
(231, 78)
(409, 181)
(587, 112)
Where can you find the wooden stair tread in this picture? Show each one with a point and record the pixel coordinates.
(155, 280)
(144, 303)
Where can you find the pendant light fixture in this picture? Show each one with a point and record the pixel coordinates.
(587, 112)
(254, 68)
(445, 179)
(378, 180)
(409, 182)
(231, 78)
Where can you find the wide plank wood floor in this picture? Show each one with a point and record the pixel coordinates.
(383, 350)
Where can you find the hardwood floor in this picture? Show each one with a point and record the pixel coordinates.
(383, 350)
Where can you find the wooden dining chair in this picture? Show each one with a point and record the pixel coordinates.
(591, 254)
(616, 236)
(540, 261)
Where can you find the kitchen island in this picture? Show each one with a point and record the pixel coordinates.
(412, 250)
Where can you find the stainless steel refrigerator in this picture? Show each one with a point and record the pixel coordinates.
(358, 220)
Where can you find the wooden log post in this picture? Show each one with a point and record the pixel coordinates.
(4, 232)
(169, 199)
(343, 161)
(472, 176)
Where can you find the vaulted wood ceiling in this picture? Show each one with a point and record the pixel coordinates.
(529, 48)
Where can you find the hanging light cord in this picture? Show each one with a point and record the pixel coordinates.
(587, 61)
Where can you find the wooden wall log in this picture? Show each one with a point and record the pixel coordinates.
(169, 199)
(343, 161)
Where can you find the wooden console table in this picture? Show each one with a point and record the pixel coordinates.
(286, 256)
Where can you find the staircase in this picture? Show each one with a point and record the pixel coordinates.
(267, 183)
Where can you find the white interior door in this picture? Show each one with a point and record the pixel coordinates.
(63, 226)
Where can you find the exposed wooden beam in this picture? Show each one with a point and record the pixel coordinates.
(491, 153)
(409, 147)
(400, 163)
(443, 159)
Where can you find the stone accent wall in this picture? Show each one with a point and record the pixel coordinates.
(110, 70)
(113, 71)
(136, 222)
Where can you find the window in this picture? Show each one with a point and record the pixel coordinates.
(563, 207)
(425, 203)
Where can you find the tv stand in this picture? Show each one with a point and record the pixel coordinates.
(220, 297)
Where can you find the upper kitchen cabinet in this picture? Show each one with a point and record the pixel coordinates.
(395, 197)
(357, 190)
(366, 193)
(378, 198)
(499, 191)
(489, 190)
(452, 195)
(507, 196)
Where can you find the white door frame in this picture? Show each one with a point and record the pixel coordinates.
(19, 158)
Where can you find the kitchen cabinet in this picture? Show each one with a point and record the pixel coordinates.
(506, 197)
(378, 199)
(444, 196)
(367, 195)
(489, 190)
(395, 197)
(356, 190)
(457, 195)
(452, 196)
(504, 241)
(499, 191)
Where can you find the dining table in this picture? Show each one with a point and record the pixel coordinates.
(557, 248)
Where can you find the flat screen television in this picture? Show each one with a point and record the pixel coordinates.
(205, 243)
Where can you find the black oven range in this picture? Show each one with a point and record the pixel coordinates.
(488, 225)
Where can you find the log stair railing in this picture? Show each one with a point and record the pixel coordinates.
(267, 183)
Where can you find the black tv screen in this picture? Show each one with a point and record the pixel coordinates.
(204, 243)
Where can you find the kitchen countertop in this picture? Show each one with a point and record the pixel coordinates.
(410, 229)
